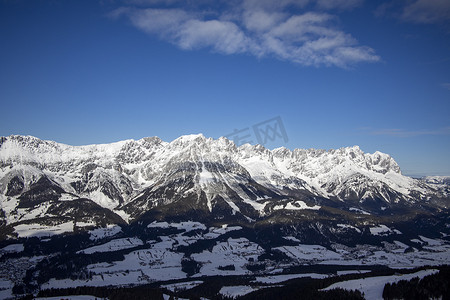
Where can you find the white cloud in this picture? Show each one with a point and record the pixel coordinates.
(273, 5)
(446, 85)
(339, 4)
(159, 20)
(261, 21)
(310, 39)
(427, 11)
(222, 36)
(152, 2)
(411, 133)
(416, 11)
(186, 30)
(304, 27)
(258, 27)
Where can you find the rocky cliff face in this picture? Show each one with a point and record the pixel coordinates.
(194, 176)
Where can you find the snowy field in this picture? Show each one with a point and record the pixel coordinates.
(114, 245)
(159, 259)
(38, 230)
(6, 288)
(181, 286)
(435, 252)
(372, 287)
(100, 233)
(161, 262)
(80, 297)
(236, 291)
(281, 278)
(13, 248)
(309, 252)
(186, 226)
(235, 252)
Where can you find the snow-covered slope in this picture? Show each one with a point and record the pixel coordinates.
(437, 179)
(193, 173)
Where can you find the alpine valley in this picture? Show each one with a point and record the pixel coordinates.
(198, 217)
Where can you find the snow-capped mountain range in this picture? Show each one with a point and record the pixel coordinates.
(199, 177)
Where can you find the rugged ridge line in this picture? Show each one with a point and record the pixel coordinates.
(195, 176)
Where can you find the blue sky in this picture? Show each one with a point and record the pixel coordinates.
(337, 73)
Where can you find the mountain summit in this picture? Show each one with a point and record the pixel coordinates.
(198, 177)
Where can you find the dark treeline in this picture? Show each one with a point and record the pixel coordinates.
(111, 293)
(308, 292)
(432, 286)
(436, 286)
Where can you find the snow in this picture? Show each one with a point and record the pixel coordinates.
(67, 197)
(143, 266)
(309, 252)
(115, 278)
(38, 230)
(417, 241)
(230, 202)
(372, 287)
(401, 245)
(318, 171)
(392, 255)
(27, 214)
(13, 248)
(437, 179)
(157, 263)
(291, 238)
(382, 230)
(256, 205)
(46, 152)
(5, 284)
(236, 252)
(349, 226)
(78, 297)
(6, 289)
(236, 291)
(187, 226)
(156, 224)
(188, 138)
(100, 233)
(181, 286)
(347, 272)
(360, 211)
(215, 232)
(159, 260)
(296, 205)
(6, 294)
(206, 177)
(114, 245)
(431, 242)
(85, 224)
(101, 199)
(123, 215)
(281, 278)
(323, 173)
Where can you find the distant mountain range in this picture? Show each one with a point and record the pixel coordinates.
(203, 218)
(202, 179)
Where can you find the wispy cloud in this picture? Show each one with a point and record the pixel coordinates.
(339, 4)
(409, 133)
(416, 11)
(446, 85)
(262, 28)
(427, 11)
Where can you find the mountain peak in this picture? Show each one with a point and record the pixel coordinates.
(131, 176)
(191, 137)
